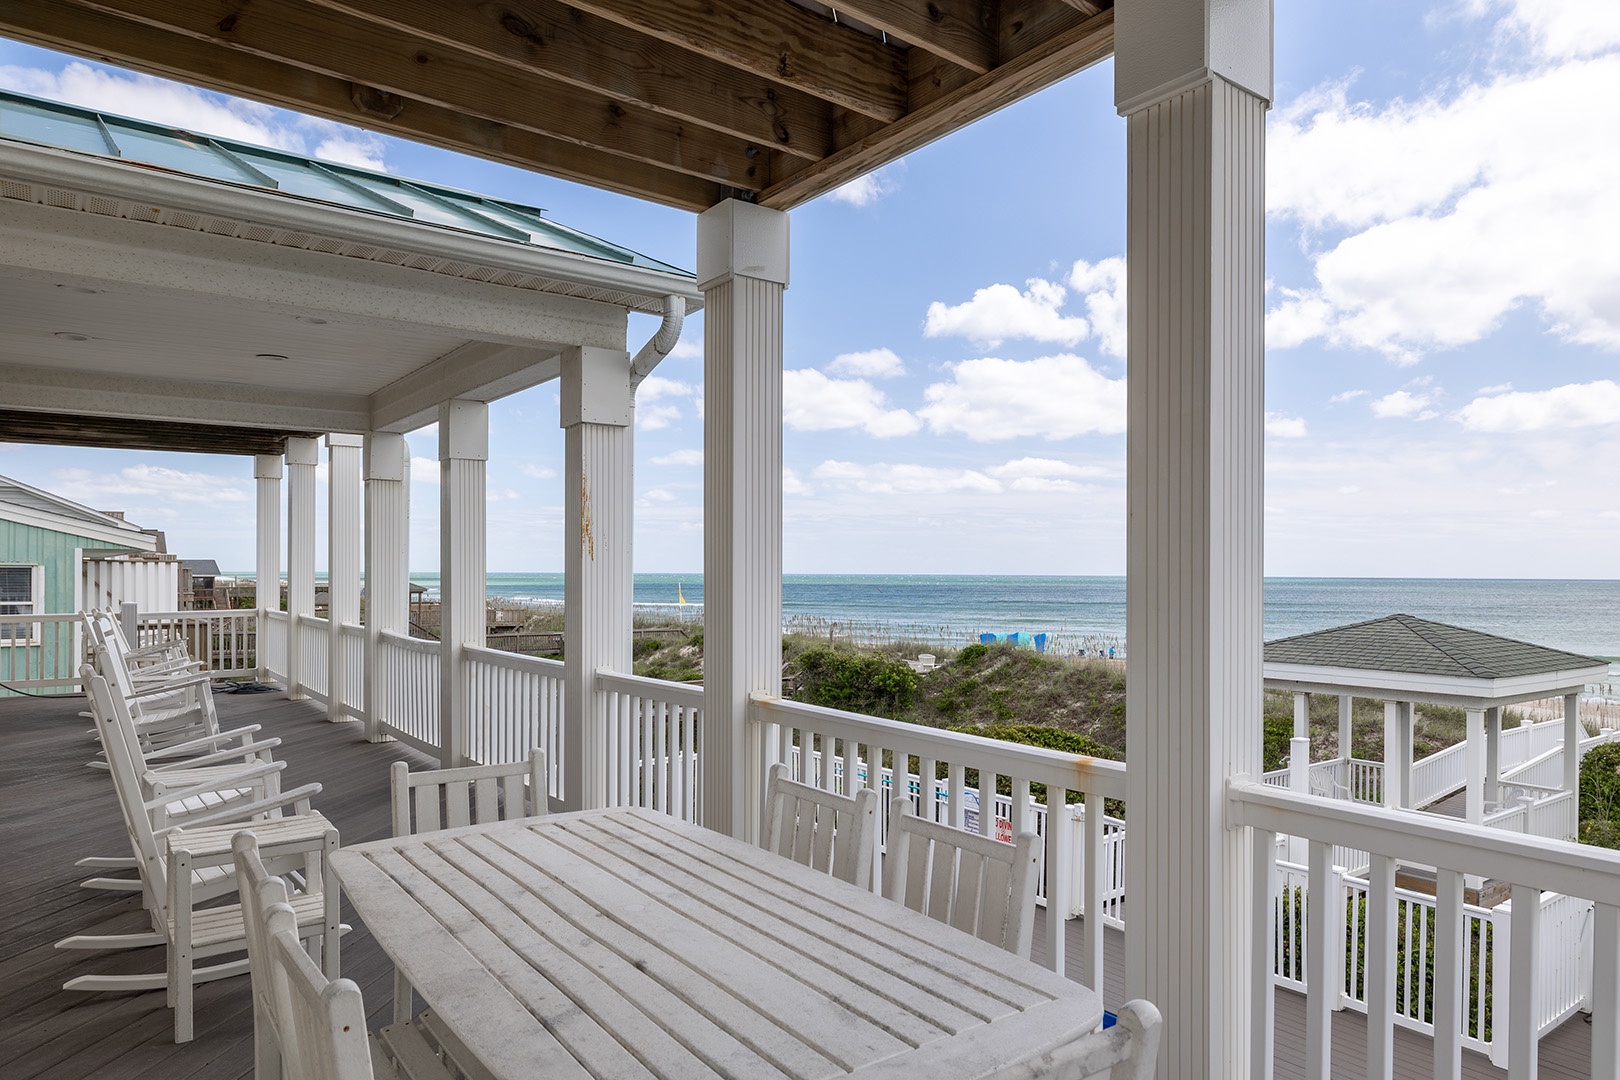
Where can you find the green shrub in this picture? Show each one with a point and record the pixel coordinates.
(1600, 796)
(856, 682)
(1274, 753)
(972, 654)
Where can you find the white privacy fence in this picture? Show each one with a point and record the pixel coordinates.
(652, 731)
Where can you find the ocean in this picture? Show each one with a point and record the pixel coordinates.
(1089, 612)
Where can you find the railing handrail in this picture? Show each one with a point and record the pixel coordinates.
(688, 695)
(353, 629)
(409, 644)
(1037, 764)
(47, 617)
(276, 616)
(1577, 869)
(313, 619)
(511, 661)
(200, 613)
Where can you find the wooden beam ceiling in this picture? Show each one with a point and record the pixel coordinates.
(684, 102)
(117, 433)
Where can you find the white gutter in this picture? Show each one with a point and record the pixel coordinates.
(659, 345)
(139, 182)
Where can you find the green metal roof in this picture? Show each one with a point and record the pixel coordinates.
(1410, 645)
(69, 127)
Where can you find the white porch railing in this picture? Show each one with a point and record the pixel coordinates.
(652, 730)
(313, 657)
(48, 660)
(833, 749)
(354, 671)
(1346, 942)
(224, 642)
(275, 644)
(1444, 771)
(409, 710)
(514, 703)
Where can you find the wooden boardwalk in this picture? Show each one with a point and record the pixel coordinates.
(54, 811)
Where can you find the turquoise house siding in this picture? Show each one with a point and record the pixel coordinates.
(54, 551)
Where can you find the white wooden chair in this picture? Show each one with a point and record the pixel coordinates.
(836, 834)
(169, 863)
(1127, 1051)
(975, 883)
(321, 1022)
(434, 799)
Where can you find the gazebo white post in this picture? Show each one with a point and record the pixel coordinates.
(463, 454)
(742, 257)
(1406, 715)
(266, 551)
(388, 545)
(1493, 755)
(343, 486)
(1193, 79)
(597, 576)
(1346, 736)
(1474, 767)
(1302, 716)
(302, 455)
(1572, 742)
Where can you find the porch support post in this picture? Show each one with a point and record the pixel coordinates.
(1302, 716)
(1393, 796)
(267, 469)
(302, 456)
(343, 488)
(1193, 79)
(1406, 720)
(1346, 735)
(742, 257)
(388, 544)
(1572, 742)
(463, 457)
(597, 579)
(1493, 754)
(1474, 767)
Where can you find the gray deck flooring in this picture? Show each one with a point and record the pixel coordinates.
(54, 811)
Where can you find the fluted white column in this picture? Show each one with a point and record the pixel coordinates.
(388, 544)
(302, 456)
(743, 269)
(267, 470)
(1193, 79)
(463, 457)
(597, 523)
(342, 561)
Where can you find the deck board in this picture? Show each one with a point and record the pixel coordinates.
(53, 811)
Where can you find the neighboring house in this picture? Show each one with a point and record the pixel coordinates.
(43, 543)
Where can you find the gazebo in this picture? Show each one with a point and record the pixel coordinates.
(1403, 660)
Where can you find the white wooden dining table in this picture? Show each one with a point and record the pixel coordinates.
(625, 943)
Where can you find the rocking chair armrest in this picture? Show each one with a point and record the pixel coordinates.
(224, 783)
(219, 757)
(169, 686)
(201, 741)
(298, 798)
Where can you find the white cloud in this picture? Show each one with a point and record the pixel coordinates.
(1572, 406)
(687, 350)
(1103, 284)
(658, 495)
(170, 103)
(813, 402)
(680, 457)
(537, 472)
(1055, 397)
(1346, 395)
(868, 189)
(792, 485)
(656, 417)
(871, 364)
(656, 388)
(1545, 513)
(1285, 427)
(1451, 210)
(886, 479)
(1026, 468)
(1499, 388)
(425, 469)
(999, 312)
(111, 491)
(1403, 405)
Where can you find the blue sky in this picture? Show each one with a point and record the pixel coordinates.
(1443, 324)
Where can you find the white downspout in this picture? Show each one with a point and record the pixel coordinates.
(659, 345)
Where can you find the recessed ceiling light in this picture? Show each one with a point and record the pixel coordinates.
(67, 336)
(269, 356)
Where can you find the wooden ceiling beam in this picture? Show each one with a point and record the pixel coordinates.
(549, 38)
(302, 35)
(778, 41)
(98, 35)
(1040, 64)
(961, 31)
(118, 433)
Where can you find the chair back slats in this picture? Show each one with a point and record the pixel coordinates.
(322, 1023)
(436, 799)
(980, 885)
(835, 834)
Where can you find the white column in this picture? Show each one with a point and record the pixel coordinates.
(342, 561)
(1393, 796)
(1346, 735)
(1299, 779)
(302, 455)
(1572, 742)
(1474, 767)
(388, 544)
(742, 261)
(267, 470)
(1193, 78)
(1406, 714)
(1302, 716)
(1493, 754)
(597, 578)
(463, 454)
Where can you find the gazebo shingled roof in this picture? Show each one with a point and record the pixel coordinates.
(1406, 643)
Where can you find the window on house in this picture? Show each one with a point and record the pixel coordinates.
(20, 589)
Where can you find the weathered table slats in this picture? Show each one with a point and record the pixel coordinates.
(622, 943)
